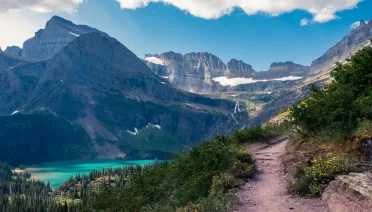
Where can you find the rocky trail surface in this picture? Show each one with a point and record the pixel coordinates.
(267, 192)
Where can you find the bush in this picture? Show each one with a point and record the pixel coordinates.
(200, 176)
(341, 105)
(221, 184)
(219, 203)
(313, 180)
(242, 170)
(251, 135)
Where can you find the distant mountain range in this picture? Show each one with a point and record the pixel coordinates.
(77, 79)
(199, 72)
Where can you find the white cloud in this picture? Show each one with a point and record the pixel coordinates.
(322, 10)
(305, 22)
(40, 5)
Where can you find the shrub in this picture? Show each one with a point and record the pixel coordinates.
(219, 203)
(242, 170)
(341, 105)
(251, 135)
(221, 184)
(313, 180)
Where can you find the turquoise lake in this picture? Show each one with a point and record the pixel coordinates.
(56, 173)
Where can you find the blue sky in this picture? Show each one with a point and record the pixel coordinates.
(258, 39)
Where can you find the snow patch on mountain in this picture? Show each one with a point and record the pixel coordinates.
(241, 80)
(15, 112)
(133, 133)
(153, 125)
(76, 35)
(154, 60)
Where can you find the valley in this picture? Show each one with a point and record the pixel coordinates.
(88, 125)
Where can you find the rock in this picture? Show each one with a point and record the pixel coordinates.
(57, 34)
(350, 193)
(8, 62)
(195, 72)
(237, 68)
(280, 70)
(351, 43)
(14, 51)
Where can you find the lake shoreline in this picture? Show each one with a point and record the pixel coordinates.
(56, 173)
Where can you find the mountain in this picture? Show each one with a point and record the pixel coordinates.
(14, 51)
(205, 72)
(237, 68)
(279, 70)
(57, 34)
(9, 62)
(126, 109)
(354, 41)
(40, 137)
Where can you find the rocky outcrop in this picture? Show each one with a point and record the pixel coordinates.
(279, 70)
(344, 48)
(350, 193)
(238, 68)
(14, 51)
(57, 34)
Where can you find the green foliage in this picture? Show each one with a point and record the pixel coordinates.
(199, 180)
(217, 203)
(19, 193)
(251, 135)
(341, 105)
(221, 184)
(40, 137)
(313, 180)
(204, 176)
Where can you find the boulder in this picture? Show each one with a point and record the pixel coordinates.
(350, 193)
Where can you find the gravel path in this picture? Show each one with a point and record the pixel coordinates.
(267, 191)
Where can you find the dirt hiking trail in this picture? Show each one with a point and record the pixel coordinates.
(267, 192)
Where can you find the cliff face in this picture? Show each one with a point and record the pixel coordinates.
(14, 51)
(57, 34)
(196, 72)
(237, 68)
(279, 70)
(351, 43)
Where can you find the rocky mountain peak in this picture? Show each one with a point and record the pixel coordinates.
(172, 56)
(14, 51)
(362, 23)
(57, 21)
(205, 60)
(277, 66)
(238, 68)
(351, 43)
(95, 48)
(57, 34)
